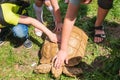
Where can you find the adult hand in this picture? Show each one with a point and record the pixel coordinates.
(59, 59)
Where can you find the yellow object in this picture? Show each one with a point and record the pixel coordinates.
(9, 13)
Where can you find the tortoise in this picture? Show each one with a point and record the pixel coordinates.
(76, 50)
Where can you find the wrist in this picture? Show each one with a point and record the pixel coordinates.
(63, 49)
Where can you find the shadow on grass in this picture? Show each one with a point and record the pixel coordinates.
(102, 68)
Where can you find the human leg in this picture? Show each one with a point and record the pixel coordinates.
(38, 7)
(100, 18)
(37, 24)
(21, 31)
(103, 9)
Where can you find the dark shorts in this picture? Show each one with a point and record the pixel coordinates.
(105, 4)
(75, 2)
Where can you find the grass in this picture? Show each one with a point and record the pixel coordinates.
(102, 61)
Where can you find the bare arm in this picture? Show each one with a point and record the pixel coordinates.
(68, 24)
(67, 28)
(39, 25)
(56, 10)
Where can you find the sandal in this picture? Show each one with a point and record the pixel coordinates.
(102, 35)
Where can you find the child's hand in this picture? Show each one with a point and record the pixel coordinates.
(53, 38)
(56, 38)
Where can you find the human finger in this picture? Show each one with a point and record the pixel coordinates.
(66, 61)
(57, 64)
(53, 60)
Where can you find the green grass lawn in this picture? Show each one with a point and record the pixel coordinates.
(102, 61)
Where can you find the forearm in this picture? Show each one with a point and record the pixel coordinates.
(35, 23)
(68, 25)
(56, 11)
(66, 31)
(41, 27)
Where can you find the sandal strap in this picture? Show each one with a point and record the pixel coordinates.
(100, 35)
(99, 28)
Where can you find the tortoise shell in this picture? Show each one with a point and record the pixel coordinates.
(76, 48)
